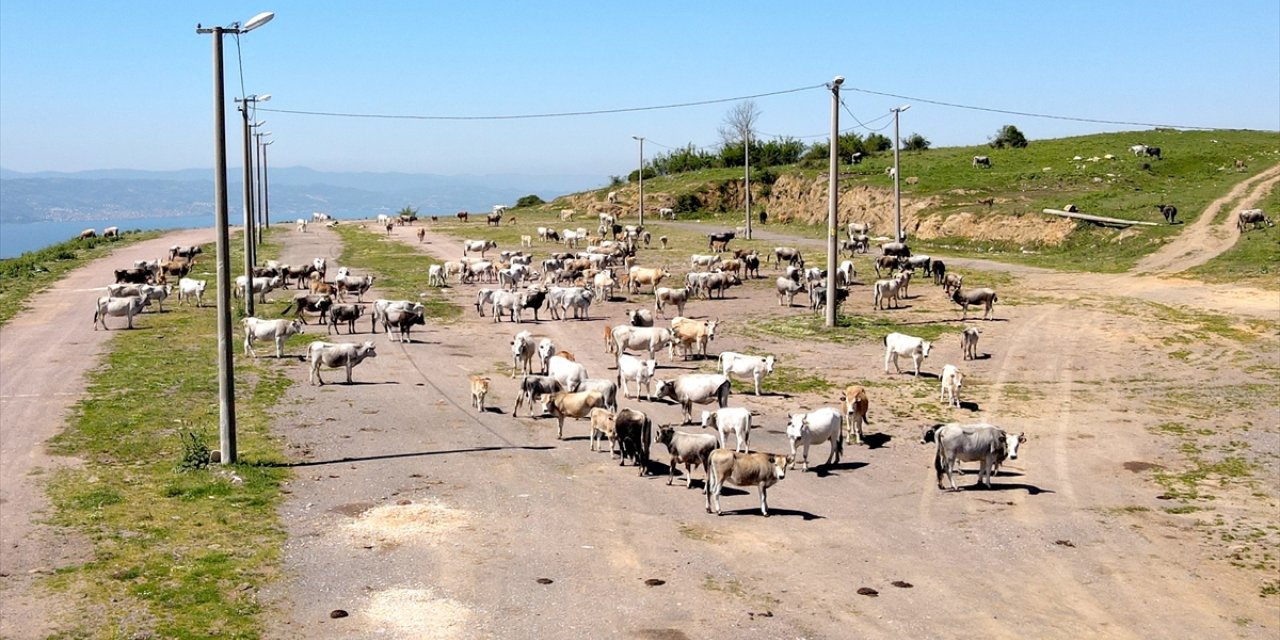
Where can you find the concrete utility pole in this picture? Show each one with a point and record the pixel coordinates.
(833, 200)
(746, 177)
(897, 187)
(641, 139)
(249, 234)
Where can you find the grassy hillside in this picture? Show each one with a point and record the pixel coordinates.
(1196, 168)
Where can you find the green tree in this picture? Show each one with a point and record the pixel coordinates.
(916, 142)
(530, 200)
(875, 143)
(1009, 136)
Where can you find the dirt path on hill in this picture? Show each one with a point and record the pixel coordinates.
(420, 517)
(44, 355)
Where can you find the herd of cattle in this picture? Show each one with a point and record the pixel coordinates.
(566, 284)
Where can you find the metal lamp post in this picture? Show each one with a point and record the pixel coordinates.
(897, 188)
(641, 139)
(266, 196)
(258, 203)
(833, 200)
(226, 379)
(250, 246)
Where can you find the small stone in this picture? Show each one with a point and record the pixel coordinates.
(544, 581)
(338, 613)
(868, 591)
(902, 584)
(655, 582)
(1064, 543)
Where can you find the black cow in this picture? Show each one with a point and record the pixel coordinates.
(134, 275)
(311, 303)
(1154, 152)
(1168, 211)
(720, 241)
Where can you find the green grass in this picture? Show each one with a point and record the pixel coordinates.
(848, 329)
(1254, 259)
(34, 271)
(401, 270)
(176, 554)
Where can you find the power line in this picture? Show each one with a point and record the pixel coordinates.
(1024, 113)
(530, 116)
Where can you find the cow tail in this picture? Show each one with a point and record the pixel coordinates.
(286, 310)
(937, 461)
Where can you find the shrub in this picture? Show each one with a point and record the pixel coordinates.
(687, 203)
(616, 181)
(916, 142)
(1009, 136)
(875, 143)
(530, 200)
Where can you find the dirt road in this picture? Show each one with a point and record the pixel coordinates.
(423, 518)
(44, 354)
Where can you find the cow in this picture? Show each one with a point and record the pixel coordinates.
(134, 275)
(277, 330)
(337, 355)
(402, 318)
(638, 276)
(301, 225)
(1153, 152)
(189, 288)
(744, 366)
(564, 404)
(720, 282)
(845, 274)
(478, 245)
(689, 449)
(969, 342)
(479, 389)
(357, 285)
(1138, 149)
(855, 402)
(261, 286)
(522, 351)
(695, 388)
(640, 371)
(693, 334)
(952, 379)
(663, 296)
(889, 290)
(647, 339)
(634, 430)
(985, 297)
(790, 255)
(887, 264)
(568, 373)
(1252, 218)
(951, 283)
(347, 313)
(506, 303)
(666, 213)
(898, 344)
(822, 425)
(109, 306)
(982, 161)
(382, 306)
(744, 470)
(190, 253)
(111, 232)
(546, 349)
(309, 303)
(938, 269)
(787, 290)
(533, 386)
(606, 388)
(720, 241)
(981, 442)
(1168, 211)
(899, 249)
(640, 317)
(580, 303)
(730, 419)
(602, 426)
(87, 234)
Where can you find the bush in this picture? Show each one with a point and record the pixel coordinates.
(530, 200)
(1009, 136)
(875, 143)
(916, 142)
(687, 203)
(616, 181)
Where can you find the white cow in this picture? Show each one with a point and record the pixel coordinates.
(695, 388)
(277, 330)
(648, 339)
(969, 342)
(899, 344)
(335, 355)
(641, 371)
(951, 381)
(744, 366)
(522, 350)
(823, 425)
(189, 288)
(109, 306)
(546, 349)
(730, 419)
(980, 442)
(435, 276)
(568, 373)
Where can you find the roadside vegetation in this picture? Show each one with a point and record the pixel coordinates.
(401, 270)
(180, 548)
(34, 271)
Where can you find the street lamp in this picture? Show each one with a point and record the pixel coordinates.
(250, 247)
(897, 188)
(226, 379)
(259, 202)
(266, 196)
(641, 139)
(833, 200)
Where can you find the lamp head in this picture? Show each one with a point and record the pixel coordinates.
(257, 21)
(839, 80)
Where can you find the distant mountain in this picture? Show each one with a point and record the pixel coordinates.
(294, 191)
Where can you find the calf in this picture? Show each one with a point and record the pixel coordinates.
(573, 405)
(479, 389)
(856, 406)
(641, 371)
(335, 355)
(305, 302)
(531, 387)
(634, 431)
(898, 344)
(602, 426)
(726, 419)
(743, 366)
(189, 288)
(744, 470)
(522, 350)
(277, 330)
(693, 335)
(951, 381)
(822, 425)
(108, 306)
(688, 449)
(969, 342)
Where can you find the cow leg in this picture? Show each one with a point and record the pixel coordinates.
(349, 366)
(279, 347)
(764, 501)
(560, 427)
(806, 455)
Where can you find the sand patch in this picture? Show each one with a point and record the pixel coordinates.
(418, 613)
(416, 522)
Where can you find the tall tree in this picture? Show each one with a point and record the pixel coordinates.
(740, 123)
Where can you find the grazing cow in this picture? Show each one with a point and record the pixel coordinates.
(522, 350)
(565, 404)
(641, 371)
(479, 389)
(968, 443)
(1252, 218)
(922, 262)
(790, 255)
(337, 355)
(634, 431)
(111, 232)
(663, 296)
(787, 290)
(640, 317)
(898, 344)
(1168, 211)
(985, 297)
(190, 253)
(856, 405)
(695, 388)
(693, 334)
(744, 366)
(987, 201)
(531, 388)
(689, 449)
(1138, 149)
(108, 306)
(311, 303)
(189, 288)
(952, 379)
(86, 234)
(277, 330)
(744, 470)
(822, 425)
(982, 161)
(639, 276)
(969, 342)
(730, 419)
(478, 245)
(347, 313)
(887, 264)
(647, 339)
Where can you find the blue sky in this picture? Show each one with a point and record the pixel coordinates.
(94, 85)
